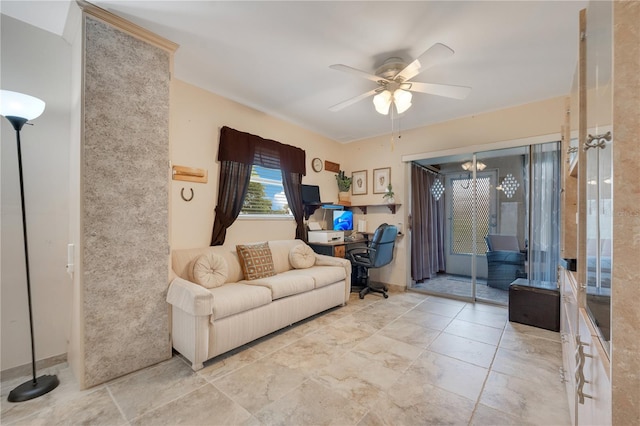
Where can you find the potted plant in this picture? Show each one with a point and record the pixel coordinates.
(389, 195)
(344, 184)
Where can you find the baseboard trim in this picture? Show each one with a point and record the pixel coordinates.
(25, 370)
(395, 288)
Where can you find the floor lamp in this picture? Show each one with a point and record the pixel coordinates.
(18, 109)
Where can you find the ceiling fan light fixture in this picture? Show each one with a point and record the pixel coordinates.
(402, 100)
(382, 102)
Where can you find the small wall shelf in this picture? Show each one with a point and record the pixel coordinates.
(310, 209)
(391, 207)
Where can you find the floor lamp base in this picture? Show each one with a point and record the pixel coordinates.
(29, 390)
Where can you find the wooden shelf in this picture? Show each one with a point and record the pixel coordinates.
(310, 209)
(391, 207)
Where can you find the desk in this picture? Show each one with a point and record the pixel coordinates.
(335, 249)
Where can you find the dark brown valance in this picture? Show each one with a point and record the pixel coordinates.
(245, 148)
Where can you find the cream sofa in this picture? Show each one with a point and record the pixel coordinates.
(206, 322)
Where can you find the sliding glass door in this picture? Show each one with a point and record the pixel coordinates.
(500, 221)
(469, 209)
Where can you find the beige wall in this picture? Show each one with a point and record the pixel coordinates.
(476, 133)
(196, 119)
(32, 59)
(197, 116)
(75, 348)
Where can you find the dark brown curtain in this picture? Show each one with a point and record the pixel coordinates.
(237, 152)
(293, 190)
(246, 148)
(427, 232)
(232, 188)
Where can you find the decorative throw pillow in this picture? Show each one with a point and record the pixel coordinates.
(209, 270)
(302, 256)
(255, 260)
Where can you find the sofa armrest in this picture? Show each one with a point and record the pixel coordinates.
(191, 298)
(324, 260)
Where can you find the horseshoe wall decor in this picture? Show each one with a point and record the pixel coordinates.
(185, 198)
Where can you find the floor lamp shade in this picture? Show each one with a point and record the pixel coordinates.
(19, 108)
(19, 105)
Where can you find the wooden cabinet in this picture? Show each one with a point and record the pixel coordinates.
(568, 331)
(585, 363)
(593, 387)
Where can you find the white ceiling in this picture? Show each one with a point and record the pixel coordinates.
(275, 56)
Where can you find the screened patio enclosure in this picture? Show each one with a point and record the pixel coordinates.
(482, 220)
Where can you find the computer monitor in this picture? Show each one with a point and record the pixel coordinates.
(342, 220)
(310, 194)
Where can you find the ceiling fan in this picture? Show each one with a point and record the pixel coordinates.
(394, 85)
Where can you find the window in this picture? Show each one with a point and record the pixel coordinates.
(265, 195)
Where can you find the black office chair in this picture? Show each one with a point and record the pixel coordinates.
(378, 253)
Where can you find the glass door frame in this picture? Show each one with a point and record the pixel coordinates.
(468, 151)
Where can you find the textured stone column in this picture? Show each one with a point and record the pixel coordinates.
(625, 311)
(124, 202)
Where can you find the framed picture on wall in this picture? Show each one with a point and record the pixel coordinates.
(359, 182)
(381, 179)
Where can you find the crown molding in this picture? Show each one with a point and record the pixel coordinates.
(127, 26)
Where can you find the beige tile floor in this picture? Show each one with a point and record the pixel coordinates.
(460, 286)
(407, 360)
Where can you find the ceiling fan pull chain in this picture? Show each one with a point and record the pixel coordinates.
(393, 119)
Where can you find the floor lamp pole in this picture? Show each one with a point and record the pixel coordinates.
(38, 385)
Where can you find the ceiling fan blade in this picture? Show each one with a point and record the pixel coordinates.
(354, 71)
(344, 104)
(430, 57)
(446, 90)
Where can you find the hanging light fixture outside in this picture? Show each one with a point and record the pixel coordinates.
(400, 98)
(469, 165)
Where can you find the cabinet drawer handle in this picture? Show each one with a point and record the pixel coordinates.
(597, 141)
(579, 372)
(563, 376)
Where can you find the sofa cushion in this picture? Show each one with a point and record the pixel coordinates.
(285, 284)
(302, 256)
(181, 260)
(209, 270)
(322, 275)
(231, 299)
(256, 260)
(280, 251)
